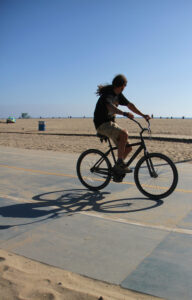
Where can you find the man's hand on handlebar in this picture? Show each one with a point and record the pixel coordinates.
(146, 117)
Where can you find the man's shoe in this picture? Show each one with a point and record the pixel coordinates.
(121, 168)
(126, 169)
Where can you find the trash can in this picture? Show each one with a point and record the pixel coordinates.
(41, 126)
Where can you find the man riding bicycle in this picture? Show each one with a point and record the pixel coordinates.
(104, 118)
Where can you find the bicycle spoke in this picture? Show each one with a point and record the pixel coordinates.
(93, 169)
(164, 180)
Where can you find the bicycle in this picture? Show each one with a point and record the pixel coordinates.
(155, 174)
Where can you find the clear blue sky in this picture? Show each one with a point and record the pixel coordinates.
(54, 53)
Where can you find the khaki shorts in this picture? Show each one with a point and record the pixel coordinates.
(111, 130)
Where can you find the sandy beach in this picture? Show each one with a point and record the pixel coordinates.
(23, 279)
(61, 135)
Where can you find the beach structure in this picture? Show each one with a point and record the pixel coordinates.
(11, 120)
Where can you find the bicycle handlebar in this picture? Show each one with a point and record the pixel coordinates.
(142, 128)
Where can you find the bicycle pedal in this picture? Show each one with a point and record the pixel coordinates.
(118, 172)
(118, 178)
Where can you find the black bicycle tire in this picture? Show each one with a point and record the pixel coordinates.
(171, 188)
(80, 159)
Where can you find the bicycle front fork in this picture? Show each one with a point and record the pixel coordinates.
(150, 167)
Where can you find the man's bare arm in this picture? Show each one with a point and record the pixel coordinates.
(134, 109)
(114, 110)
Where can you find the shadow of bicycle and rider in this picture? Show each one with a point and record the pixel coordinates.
(56, 204)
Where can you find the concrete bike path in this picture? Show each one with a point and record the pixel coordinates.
(116, 235)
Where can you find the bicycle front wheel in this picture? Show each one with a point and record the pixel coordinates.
(156, 176)
(94, 169)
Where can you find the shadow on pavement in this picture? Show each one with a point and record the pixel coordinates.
(67, 202)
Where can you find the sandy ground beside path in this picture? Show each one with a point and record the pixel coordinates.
(32, 138)
(21, 278)
(85, 125)
(175, 150)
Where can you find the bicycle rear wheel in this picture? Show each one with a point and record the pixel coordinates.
(156, 176)
(94, 169)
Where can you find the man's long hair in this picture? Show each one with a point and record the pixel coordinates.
(118, 81)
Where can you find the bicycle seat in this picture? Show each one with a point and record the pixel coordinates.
(102, 137)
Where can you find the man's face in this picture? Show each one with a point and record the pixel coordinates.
(119, 90)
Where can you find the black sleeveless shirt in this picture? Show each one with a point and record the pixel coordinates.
(101, 113)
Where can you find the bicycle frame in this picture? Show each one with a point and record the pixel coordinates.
(146, 172)
(141, 147)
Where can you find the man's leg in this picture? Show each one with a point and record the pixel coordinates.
(123, 151)
(123, 148)
(120, 138)
(121, 144)
(128, 149)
